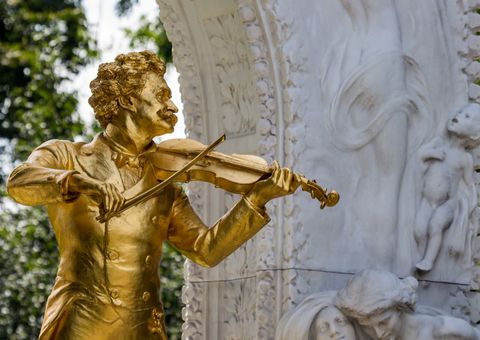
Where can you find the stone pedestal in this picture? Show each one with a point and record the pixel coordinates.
(345, 92)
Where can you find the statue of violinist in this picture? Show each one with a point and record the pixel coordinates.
(107, 283)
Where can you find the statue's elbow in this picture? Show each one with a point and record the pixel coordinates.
(17, 194)
(19, 191)
(209, 261)
(13, 190)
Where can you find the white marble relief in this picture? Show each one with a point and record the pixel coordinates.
(384, 306)
(360, 103)
(344, 91)
(379, 115)
(238, 303)
(232, 72)
(374, 304)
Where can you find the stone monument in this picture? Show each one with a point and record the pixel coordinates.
(349, 92)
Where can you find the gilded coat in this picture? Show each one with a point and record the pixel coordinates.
(107, 285)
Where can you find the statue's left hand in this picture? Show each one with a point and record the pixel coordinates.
(281, 182)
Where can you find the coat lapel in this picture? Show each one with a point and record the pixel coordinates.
(95, 159)
(146, 182)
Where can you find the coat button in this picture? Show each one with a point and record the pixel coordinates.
(112, 254)
(146, 296)
(114, 293)
(148, 260)
(87, 151)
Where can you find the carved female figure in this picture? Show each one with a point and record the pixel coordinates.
(316, 318)
(384, 307)
(375, 117)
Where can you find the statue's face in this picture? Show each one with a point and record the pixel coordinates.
(466, 122)
(383, 326)
(331, 323)
(155, 110)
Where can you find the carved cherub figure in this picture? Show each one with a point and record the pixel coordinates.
(384, 307)
(448, 171)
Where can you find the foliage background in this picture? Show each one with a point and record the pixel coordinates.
(44, 43)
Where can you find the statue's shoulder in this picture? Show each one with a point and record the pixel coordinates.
(53, 143)
(61, 145)
(74, 147)
(96, 146)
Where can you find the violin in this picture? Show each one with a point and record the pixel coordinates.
(186, 160)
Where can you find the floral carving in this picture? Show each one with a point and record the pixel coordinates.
(232, 72)
(239, 305)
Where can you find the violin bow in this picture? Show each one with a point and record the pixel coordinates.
(152, 192)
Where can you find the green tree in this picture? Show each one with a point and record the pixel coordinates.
(171, 280)
(43, 44)
(147, 33)
(29, 258)
(151, 32)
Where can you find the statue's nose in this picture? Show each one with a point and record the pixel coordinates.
(172, 107)
(334, 331)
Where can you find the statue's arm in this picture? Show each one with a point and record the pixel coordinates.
(450, 327)
(468, 179)
(208, 246)
(433, 150)
(468, 169)
(43, 178)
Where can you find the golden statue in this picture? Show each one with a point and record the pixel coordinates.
(107, 286)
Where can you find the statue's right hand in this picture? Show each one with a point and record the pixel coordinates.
(111, 199)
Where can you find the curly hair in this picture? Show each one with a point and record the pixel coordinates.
(374, 291)
(126, 76)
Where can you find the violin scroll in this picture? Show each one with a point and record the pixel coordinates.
(327, 199)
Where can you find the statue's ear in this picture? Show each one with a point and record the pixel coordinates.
(127, 103)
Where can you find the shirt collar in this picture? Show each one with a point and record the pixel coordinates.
(122, 156)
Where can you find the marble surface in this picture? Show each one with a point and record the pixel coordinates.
(347, 92)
